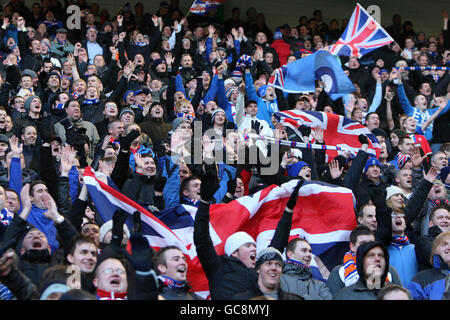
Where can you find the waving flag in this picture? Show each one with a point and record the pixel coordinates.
(338, 130)
(326, 226)
(202, 6)
(107, 200)
(299, 76)
(362, 35)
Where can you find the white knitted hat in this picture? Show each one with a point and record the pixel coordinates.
(236, 240)
(390, 191)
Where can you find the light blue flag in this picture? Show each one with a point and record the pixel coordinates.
(299, 76)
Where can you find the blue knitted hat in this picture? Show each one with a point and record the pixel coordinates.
(294, 169)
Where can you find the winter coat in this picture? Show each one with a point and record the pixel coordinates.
(265, 108)
(361, 290)
(405, 262)
(335, 280)
(141, 189)
(423, 247)
(177, 293)
(298, 280)
(254, 292)
(226, 275)
(430, 283)
(283, 50)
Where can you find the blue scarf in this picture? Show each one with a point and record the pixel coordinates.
(59, 106)
(172, 283)
(400, 241)
(6, 217)
(91, 101)
(190, 202)
(140, 44)
(297, 263)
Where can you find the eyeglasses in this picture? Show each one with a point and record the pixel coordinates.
(111, 270)
(399, 215)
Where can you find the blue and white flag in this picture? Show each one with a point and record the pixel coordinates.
(300, 76)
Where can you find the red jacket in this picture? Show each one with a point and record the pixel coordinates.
(283, 50)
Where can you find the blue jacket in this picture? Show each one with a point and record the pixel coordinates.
(420, 116)
(45, 225)
(429, 284)
(404, 260)
(171, 191)
(265, 108)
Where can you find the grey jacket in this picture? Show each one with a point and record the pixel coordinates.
(299, 281)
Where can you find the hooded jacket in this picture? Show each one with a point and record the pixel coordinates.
(361, 290)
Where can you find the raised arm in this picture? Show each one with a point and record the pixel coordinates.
(281, 237)
(202, 239)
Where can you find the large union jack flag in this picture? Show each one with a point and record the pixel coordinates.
(202, 6)
(338, 130)
(362, 35)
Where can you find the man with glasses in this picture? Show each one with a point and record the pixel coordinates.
(17, 107)
(401, 250)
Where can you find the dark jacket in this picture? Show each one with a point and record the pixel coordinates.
(254, 292)
(141, 189)
(228, 276)
(177, 293)
(423, 247)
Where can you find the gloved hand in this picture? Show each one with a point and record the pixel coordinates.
(137, 221)
(363, 139)
(256, 126)
(231, 184)
(294, 195)
(142, 253)
(125, 141)
(118, 219)
(210, 183)
(159, 182)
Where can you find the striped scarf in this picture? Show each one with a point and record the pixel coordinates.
(91, 101)
(75, 95)
(172, 283)
(6, 217)
(437, 202)
(350, 272)
(190, 202)
(297, 263)
(402, 159)
(190, 115)
(400, 241)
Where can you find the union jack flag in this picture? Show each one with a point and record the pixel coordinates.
(277, 80)
(362, 35)
(203, 6)
(338, 130)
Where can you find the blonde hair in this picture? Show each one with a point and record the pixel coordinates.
(182, 102)
(444, 236)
